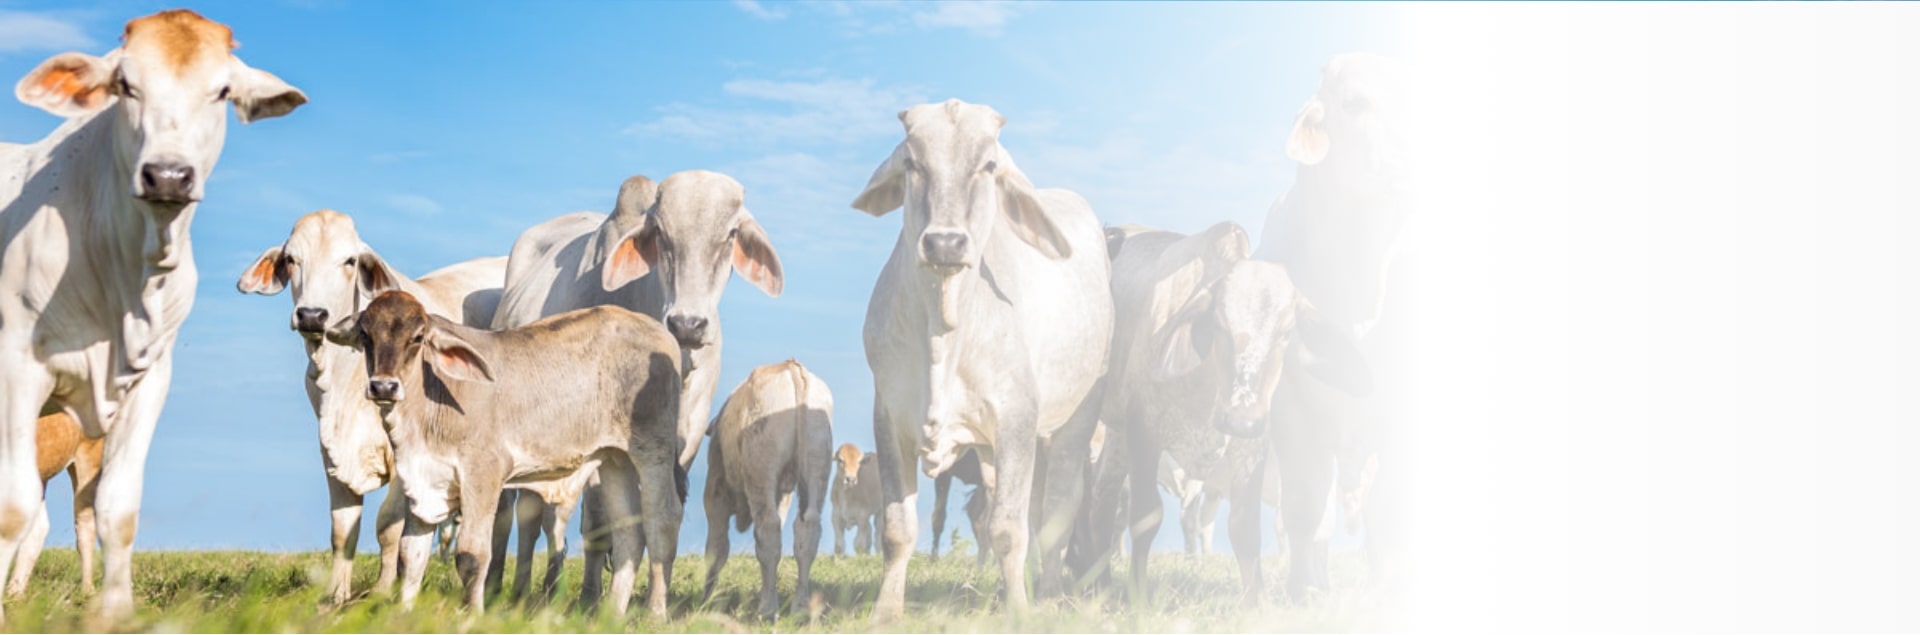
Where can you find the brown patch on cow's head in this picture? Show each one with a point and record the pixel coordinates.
(849, 459)
(391, 330)
(180, 37)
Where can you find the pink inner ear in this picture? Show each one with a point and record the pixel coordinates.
(626, 263)
(754, 271)
(261, 275)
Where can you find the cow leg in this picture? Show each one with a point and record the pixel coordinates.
(977, 503)
(1100, 529)
(29, 553)
(1306, 478)
(1145, 511)
(839, 531)
(661, 509)
(595, 543)
(85, 474)
(1209, 515)
(1014, 457)
(766, 547)
(1243, 530)
(940, 486)
(814, 479)
(503, 516)
(389, 522)
(416, 547)
(899, 485)
(1064, 488)
(529, 509)
(618, 491)
(556, 517)
(474, 555)
(123, 469)
(346, 537)
(21, 492)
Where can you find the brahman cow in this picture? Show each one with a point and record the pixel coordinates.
(96, 266)
(665, 251)
(1201, 336)
(770, 442)
(988, 328)
(1337, 231)
(472, 411)
(62, 447)
(856, 499)
(333, 274)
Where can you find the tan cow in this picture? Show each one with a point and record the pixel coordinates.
(856, 499)
(96, 265)
(770, 442)
(63, 447)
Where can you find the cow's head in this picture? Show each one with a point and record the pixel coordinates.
(332, 273)
(400, 340)
(1350, 126)
(694, 230)
(955, 181)
(1234, 332)
(172, 78)
(848, 458)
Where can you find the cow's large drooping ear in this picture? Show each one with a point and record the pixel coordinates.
(1022, 206)
(887, 189)
(1187, 340)
(454, 357)
(266, 276)
(1308, 143)
(257, 94)
(375, 276)
(1332, 353)
(68, 84)
(754, 259)
(633, 257)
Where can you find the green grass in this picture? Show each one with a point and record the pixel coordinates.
(231, 591)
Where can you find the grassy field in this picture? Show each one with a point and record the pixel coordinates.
(223, 591)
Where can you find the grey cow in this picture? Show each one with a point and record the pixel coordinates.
(988, 329)
(666, 251)
(473, 411)
(1202, 336)
(770, 443)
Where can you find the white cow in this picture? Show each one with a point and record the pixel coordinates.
(1336, 232)
(334, 275)
(988, 329)
(96, 265)
(666, 251)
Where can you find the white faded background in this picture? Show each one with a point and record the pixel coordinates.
(1669, 359)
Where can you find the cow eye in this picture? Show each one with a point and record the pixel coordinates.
(991, 167)
(419, 337)
(126, 89)
(224, 91)
(349, 261)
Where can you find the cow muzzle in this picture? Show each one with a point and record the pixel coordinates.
(944, 250)
(385, 390)
(167, 182)
(690, 330)
(310, 322)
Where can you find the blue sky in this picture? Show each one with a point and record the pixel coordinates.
(445, 129)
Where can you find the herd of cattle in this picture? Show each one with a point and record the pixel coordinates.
(1065, 369)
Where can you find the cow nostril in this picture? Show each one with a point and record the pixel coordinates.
(309, 320)
(382, 389)
(167, 182)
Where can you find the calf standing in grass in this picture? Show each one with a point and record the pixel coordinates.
(770, 440)
(472, 411)
(856, 500)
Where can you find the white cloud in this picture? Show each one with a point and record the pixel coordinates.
(414, 204)
(979, 16)
(775, 113)
(760, 11)
(1183, 187)
(22, 31)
